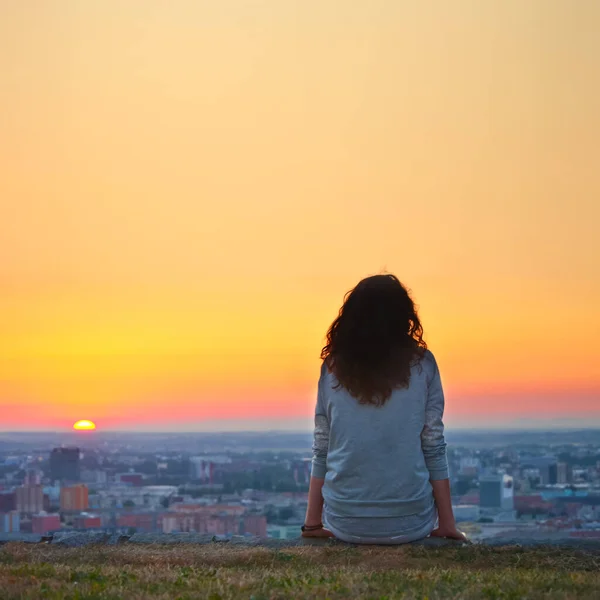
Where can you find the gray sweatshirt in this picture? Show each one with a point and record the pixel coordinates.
(377, 461)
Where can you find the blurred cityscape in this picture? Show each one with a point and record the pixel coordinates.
(510, 484)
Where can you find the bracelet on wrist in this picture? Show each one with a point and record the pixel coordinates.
(311, 527)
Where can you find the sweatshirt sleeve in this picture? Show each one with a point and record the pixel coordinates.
(321, 434)
(433, 442)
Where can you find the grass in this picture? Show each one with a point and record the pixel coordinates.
(222, 572)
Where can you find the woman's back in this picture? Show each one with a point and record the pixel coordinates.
(377, 460)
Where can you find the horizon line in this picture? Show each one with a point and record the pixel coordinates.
(499, 429)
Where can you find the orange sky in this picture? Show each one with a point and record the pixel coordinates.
(188, 188)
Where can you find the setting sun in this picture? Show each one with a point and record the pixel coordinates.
(84, 425)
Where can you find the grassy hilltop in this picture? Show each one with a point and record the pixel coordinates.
(223, 572)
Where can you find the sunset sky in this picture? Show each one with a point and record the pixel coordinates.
(188, 188)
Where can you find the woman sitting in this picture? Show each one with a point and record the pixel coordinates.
(379, 470)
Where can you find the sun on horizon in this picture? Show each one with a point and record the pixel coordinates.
(84, 425)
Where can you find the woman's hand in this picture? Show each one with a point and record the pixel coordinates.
(317, 533)
(450, 532)
(443, 503)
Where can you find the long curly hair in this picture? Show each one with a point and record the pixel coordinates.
(375, 340)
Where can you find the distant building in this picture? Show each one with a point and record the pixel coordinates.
(469, 467)
(254, 525)
(180, 522)
(94, 476)
(7, 501)
(564, 473)
(466, 512)
(146, 497)
(549, 474)
(65, 465)
(302, 470)
(496, 491)
(141, 522)
(532, 504)
(200, 521)
(86, 521)
(546, 467)
(134, 479)
(202, 468)
(223, 525)
(53, 494)
(33, 477)
(235, 510)
(10, 522)
(74, 498)
(43, 523)
(29, 499)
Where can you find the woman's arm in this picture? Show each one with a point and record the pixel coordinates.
(314, 509)
(433, 444)
(443, 501)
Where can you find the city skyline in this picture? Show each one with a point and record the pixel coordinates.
(189, 189)
(306, 424)
(527, 487)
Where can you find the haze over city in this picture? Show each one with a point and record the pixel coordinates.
(188, 189)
